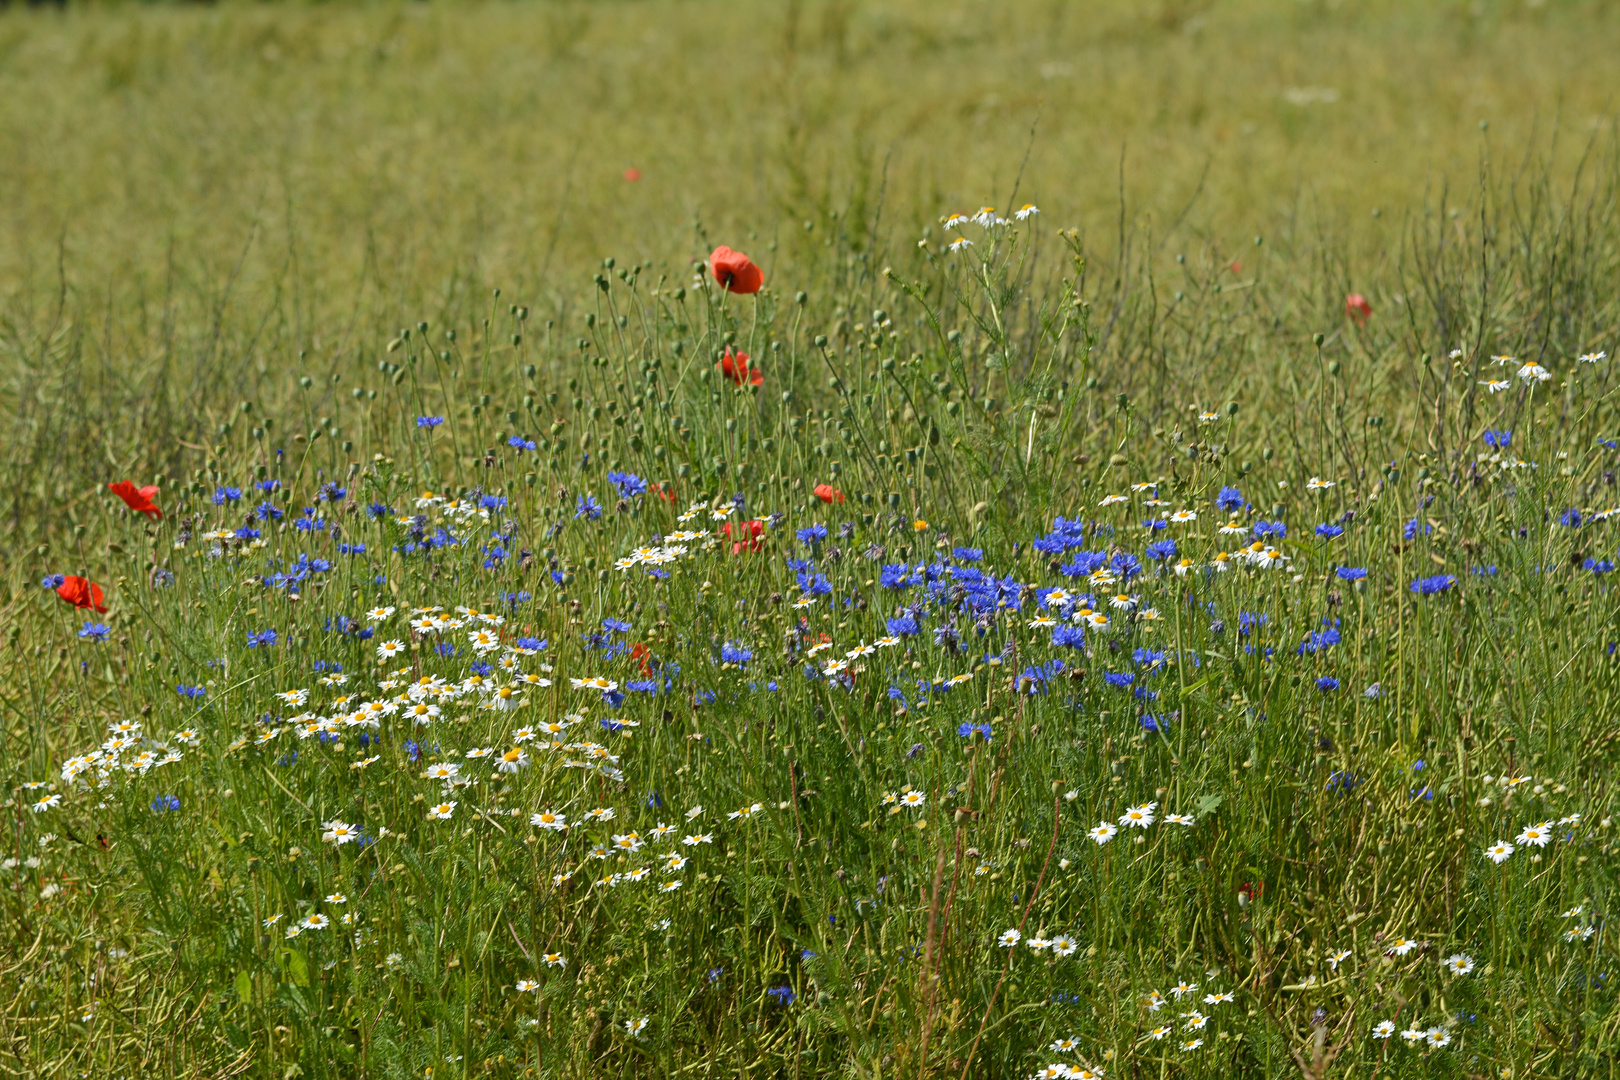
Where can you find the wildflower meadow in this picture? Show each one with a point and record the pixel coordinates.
(961, 647)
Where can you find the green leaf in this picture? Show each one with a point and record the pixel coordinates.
(1208, 804)
(294, 967)
(244, 987)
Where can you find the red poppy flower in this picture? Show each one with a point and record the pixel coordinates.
(137, 499)
(642, 657)
(747, 535)
(1249, 892)
(734, 366)
(827, 493)
(632, 175)
(1357, 308)
(665, 492)
(1237, 266)
(735, 270)
(81, 593)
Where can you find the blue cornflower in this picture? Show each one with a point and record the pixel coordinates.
(269, 511)
(733, 653)
(586, 506)
(1329, 531)
(223, 495)
(190, 691)
(642, 686)
(1416, 528)
(95, 631)
(1161, 550)
(812, 534)
(1153, 724)
(520, 444)
(1327, 684)
(967, 554)
(629, 484)
(815, 584)
(1229, 499)
(1351, 573)
(351, 549)
(52, 581)
(378, 510)
(1151, 658)
(904, 626)
(1069, 635)
(330, 492)
(783, 994)
(1119, 678)
(1318, 641)
(1498, 439)
(1126, 565)
(429, 421)
(264, 638)
(268, 485)
(1570, 519)
(1342, 782)
(413, 749)
(531, 643)
(1437, 583)
(1274, 529)
(618, 626)
(164, 803)
(967, 729)
(894, 576)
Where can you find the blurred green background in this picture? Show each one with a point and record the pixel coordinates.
(270, 178)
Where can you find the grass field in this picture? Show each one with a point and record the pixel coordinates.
(1158, 626)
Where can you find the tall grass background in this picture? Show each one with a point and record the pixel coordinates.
(223, 216)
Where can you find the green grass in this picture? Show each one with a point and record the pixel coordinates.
(254, 244)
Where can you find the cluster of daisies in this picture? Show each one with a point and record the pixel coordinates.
(1137, 817)
(127, 749)
(1537, 835)
(315, 921)
(986, 217)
